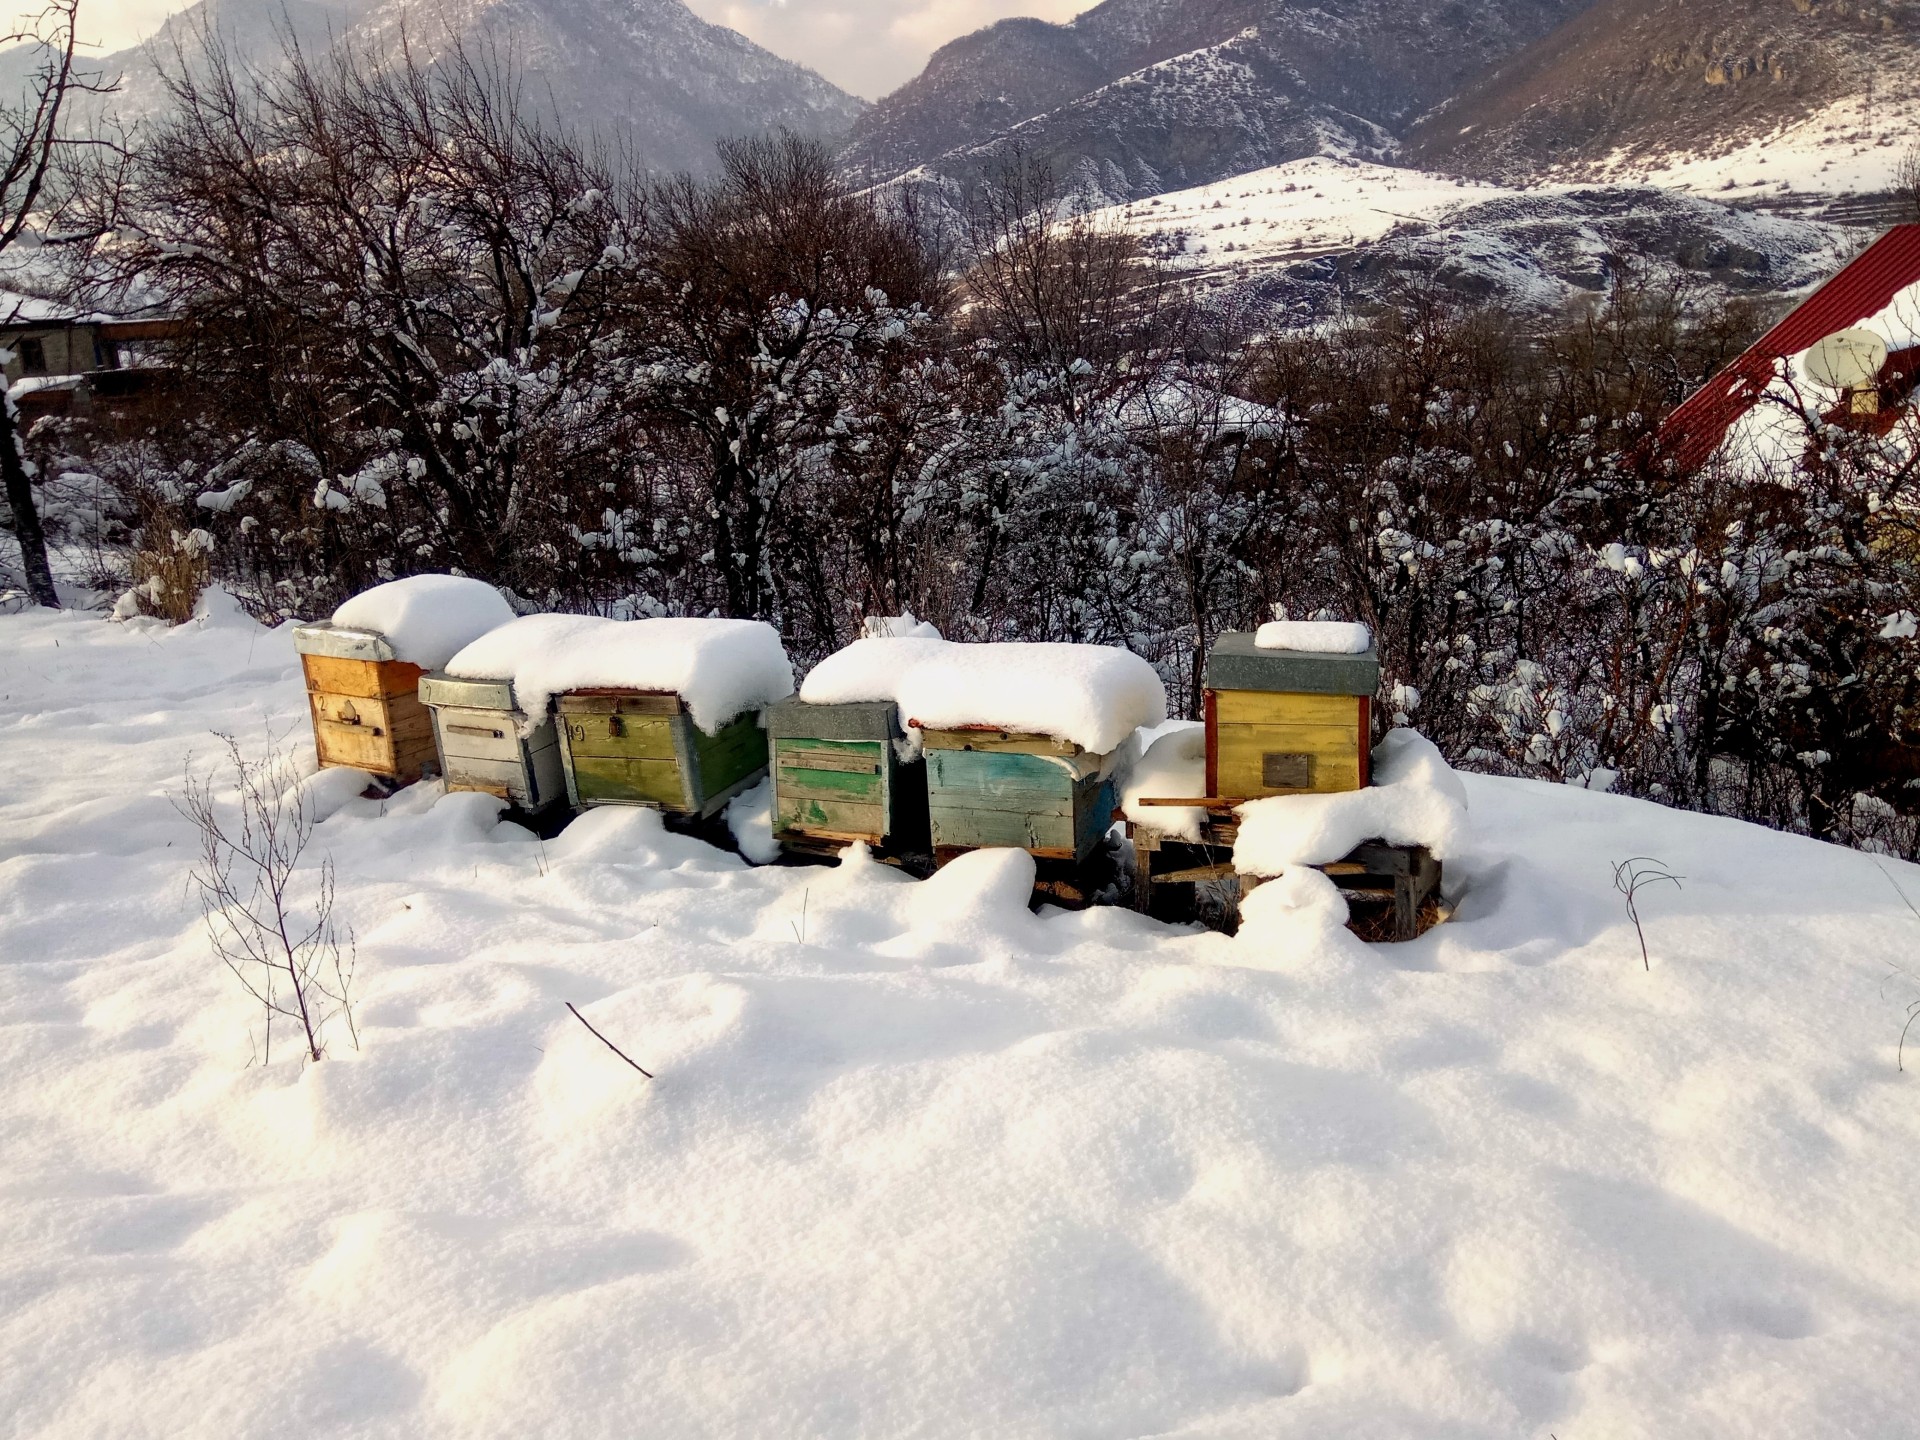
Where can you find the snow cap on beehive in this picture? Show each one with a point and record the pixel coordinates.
(423, 619)
(1093, 695)
(719, 668)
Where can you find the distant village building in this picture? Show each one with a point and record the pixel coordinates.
(59, 363)
(1880, 291)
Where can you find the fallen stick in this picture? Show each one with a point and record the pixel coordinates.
(608, 1043)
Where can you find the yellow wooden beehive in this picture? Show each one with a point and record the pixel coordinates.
(365, 703)
(1287, 722)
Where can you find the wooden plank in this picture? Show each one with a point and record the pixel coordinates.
(629, 737)
(628, 780)
(1243, 750)
(478, 734)
(360, 678)
(722, 761)
(1093, 816)
(618, 702)
(1340, 740)
(1258, 707)
(969, 827)
(505, 778)
(831, 819)
(1019, 783)
(1005, 741)
(1195, 873)
(856, 757)
(798, 784)
(355, 746)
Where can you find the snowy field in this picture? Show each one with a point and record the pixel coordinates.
(1852, 147)
(919, 1162)
(1305, 207)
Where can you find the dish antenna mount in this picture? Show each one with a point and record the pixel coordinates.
(1847, 360)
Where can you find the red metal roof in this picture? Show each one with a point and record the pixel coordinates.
(1865, 287)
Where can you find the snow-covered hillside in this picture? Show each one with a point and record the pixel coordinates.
(1317, 236)
(919, 1161)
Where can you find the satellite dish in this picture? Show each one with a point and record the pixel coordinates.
(1847, 360)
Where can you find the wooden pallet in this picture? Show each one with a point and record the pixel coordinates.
(1393, 891)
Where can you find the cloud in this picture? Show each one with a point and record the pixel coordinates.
(869, 46)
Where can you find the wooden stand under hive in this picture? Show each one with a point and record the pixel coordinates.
(482, 745)
(365, 703)
(988, 787)
(838, 777)
(1392, 891)
(631, 747)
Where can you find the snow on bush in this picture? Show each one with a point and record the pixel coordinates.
(1315, 637)
(1415, 799)
(720, 668)
(1094, 695)
(427, 618)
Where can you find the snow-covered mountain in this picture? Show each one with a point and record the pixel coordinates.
(1138, 97)
(649, 73)
(1635, 83)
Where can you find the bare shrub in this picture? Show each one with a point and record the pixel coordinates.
(290, 955)
(171, 573)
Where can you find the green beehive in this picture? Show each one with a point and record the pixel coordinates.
(634, 747)
(838, 776)
(488, 744)
(1031, 792)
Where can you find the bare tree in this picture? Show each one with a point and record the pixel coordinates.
(1906, 183)
(292, 957)
(33, 142)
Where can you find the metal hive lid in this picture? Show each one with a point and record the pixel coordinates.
(1236, 663)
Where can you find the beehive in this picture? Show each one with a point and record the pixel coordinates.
(634, 747)
(1030, 792)
(1287, 722)
(365, 703)
(838, 776)
(486, 742)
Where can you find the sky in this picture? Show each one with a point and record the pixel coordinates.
(867, 46)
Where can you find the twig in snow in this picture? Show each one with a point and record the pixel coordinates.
(1628, 877)
(800, 930)
(1913, 1010)
(608, 1043)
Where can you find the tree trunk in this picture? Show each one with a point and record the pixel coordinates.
(26, 516)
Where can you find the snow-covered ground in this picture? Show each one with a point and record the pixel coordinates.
(1305, 207)
(1854, 146)
(918, 1161)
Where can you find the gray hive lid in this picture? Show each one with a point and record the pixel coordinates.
(338, 642)
(1236, 663)
(795, 719)
(471, 694)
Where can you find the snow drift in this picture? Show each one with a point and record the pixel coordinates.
(920, 1161)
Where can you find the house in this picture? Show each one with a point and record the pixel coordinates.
(59, 363)
(1880, 290)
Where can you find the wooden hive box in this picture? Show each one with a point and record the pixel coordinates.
(1039, 793)
(365, 703)
(838, 776)
(486, 743)
(1287, 722)
(636, 747)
